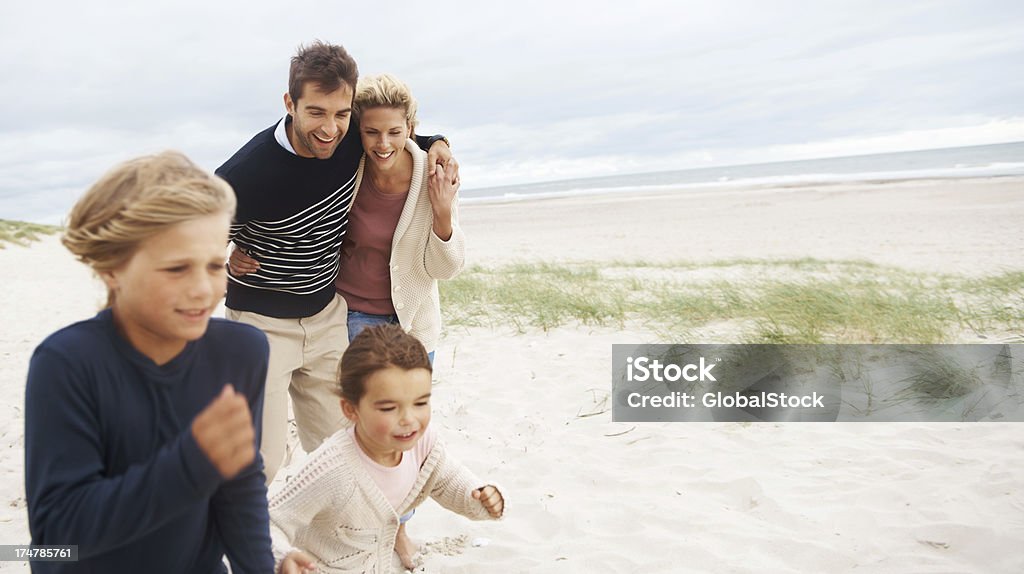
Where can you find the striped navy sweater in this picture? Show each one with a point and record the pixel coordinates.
(292, 214)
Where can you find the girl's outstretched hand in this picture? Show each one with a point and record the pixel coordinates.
(491, 499)
(297, 562)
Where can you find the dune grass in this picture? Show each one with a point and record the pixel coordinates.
(787, 301)
(939, 377)
(22, 232)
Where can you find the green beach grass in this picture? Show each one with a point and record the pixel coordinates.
(796, 301)
(788, 301)
(23, 233)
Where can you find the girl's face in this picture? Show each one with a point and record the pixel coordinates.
(166, 293)
(383, 131)
(393, 413)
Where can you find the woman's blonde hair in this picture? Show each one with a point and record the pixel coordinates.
(137, 200)
(385, 91)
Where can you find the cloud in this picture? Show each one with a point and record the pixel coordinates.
(526, 91)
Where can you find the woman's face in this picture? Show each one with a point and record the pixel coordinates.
(383, 131)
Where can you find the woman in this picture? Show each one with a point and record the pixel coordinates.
(403, 232)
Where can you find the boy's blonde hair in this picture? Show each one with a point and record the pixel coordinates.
(137, 200)
(385, 91)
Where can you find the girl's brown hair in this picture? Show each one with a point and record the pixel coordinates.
(374, 349)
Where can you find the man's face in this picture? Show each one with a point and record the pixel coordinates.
(319, 119)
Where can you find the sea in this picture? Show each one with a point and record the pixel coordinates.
(1006, 159)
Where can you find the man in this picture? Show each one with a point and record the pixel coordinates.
(295, 182)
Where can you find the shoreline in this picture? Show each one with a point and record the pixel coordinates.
(712, 188)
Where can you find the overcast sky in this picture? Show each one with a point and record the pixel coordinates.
(526, 91)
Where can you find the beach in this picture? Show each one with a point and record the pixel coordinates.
(944, 225)
(527, 408)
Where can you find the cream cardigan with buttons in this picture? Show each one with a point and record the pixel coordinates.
(333, 511)
(419, 257)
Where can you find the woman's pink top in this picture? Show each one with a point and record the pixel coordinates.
(365, 276)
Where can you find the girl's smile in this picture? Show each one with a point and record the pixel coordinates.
(393, 413)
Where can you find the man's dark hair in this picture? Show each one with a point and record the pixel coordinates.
(325, 64)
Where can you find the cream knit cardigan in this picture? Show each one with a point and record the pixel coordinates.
(419, 257)
(333, 511)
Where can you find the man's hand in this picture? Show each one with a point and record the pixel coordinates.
(241, 264)
(491, 499)
(297, 562)
(440, 155)
(223, 431)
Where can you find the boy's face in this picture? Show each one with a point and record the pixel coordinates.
(319, 119)
(166, 293)
(393, 413)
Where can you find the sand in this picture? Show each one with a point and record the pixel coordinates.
(945, 225)
(529, 411)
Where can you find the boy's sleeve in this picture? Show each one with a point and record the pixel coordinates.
(239, 506)
(70, 501)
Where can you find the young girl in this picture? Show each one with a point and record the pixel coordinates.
(139, 441)
(340, 512)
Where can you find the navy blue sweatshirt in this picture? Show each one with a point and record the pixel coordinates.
(111, 464)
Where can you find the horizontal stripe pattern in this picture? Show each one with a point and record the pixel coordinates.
(298, 254)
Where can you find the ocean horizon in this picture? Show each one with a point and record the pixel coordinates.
(992, 160)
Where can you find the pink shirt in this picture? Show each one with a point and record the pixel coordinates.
(365, 277)
(397, 481)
